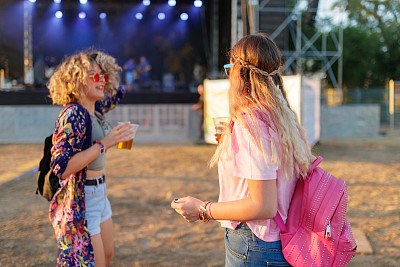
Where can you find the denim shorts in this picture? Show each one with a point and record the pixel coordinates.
(243, 248)
(98, 208)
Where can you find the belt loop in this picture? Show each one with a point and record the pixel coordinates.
(253, 237)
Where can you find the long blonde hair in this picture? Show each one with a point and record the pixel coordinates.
(68, 82)
(257, 91)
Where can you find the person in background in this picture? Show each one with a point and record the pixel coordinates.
(199, 75)
(49, 67)
(143, 70)
(200, 107)
(85, 84)
(129, 69)
(260, 156)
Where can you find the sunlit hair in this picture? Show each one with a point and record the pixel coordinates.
(257, 90)
(68, 82)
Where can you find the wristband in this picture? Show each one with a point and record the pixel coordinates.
(102, 147)
(209, 210)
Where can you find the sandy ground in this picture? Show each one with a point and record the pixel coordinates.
(142, 182)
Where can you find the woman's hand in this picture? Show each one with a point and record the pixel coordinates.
(187, 207)
(120, 133)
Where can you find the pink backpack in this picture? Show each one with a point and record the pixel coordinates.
(317, 232)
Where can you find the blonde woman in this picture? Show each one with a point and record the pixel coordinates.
(85, 84)
(260, 157)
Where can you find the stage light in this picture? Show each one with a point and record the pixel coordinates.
(198, 3)
(161, 16)
(82, 15)
(102, 15)
(58, 14)
(184, 16)
(139, 16)
(146, 2)
(32, 1)
(171, 2)
(83, 2)
(57, 1)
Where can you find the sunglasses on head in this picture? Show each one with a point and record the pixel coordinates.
(227, 67)
(96, 77)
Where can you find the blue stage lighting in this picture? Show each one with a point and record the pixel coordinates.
(198, 3)
(146, 2)
(184, 16)
(32, 1)
(139, 16)
(171, 2)
(58, 14)
(102, 15)
(82, 15)
(83, 2)
(57, 1)
(161, 16)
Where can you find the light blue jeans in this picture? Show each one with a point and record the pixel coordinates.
(243, 248)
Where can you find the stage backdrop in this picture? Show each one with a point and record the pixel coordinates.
(303, 95)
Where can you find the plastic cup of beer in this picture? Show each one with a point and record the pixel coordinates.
(128, 144)
(220, 124)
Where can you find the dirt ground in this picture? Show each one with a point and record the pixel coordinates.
(142, 182)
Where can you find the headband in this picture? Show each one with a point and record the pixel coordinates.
(254, 68)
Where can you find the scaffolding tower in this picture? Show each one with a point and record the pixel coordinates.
(28, 52)
(284, 25)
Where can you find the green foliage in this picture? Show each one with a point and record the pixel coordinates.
(360, 56)
(371, 52)
(374, 14)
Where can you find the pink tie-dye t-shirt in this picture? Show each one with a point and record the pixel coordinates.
(244, 160)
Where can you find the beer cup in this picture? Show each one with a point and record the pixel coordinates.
(220, 124)
(128, 144)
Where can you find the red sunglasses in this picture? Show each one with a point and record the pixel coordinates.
(96, 77)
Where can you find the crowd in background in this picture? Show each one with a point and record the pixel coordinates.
(136, 75)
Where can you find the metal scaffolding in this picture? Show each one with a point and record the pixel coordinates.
(28, 53)
(305, 46)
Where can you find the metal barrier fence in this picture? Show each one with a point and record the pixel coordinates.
(369, 96)
(388, 98)
(158, 122)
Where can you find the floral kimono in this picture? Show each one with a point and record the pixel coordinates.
(72, 134)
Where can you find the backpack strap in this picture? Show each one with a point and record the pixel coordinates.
(315, 163)
(280, 223)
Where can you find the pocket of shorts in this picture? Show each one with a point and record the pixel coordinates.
(89, 192)
(236, 243)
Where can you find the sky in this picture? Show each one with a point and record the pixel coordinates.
(324, 7)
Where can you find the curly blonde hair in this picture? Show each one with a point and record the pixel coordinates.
(67, 83)
(257, 90)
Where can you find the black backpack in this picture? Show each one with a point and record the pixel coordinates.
(47, 182)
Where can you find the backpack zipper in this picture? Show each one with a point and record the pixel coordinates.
(328, 230)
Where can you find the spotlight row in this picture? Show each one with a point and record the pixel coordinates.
(138, 16)
(196, 3)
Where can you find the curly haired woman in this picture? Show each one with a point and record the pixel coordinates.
(260, 157)
(85, 84)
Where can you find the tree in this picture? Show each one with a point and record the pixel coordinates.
(360, 56)
(371, 42)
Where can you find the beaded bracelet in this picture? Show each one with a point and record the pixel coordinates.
(202, 213)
